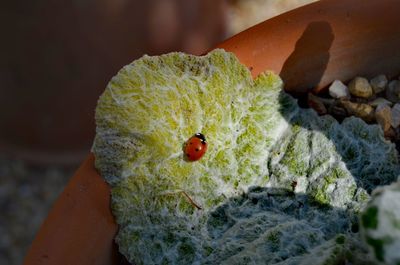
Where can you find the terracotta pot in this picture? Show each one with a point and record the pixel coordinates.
(309, 47)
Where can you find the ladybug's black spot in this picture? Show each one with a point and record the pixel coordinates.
(190, 143)
(197, 149)
(187, 155)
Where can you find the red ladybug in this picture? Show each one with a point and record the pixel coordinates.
(195, 147)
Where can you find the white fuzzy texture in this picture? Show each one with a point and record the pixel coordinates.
(381, 224)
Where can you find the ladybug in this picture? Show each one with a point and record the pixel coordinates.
(195, 147)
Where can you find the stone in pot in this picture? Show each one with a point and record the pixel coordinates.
(316, 103)
(395, 113)
(383, 115)
(379, 83)
(380, 101)
(393, 91)
(360, 87)
(339, 90)
(361, 110)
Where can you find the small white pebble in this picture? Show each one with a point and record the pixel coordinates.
(339, 90)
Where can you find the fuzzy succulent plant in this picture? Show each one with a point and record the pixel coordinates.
(277, 185)
(380, 224)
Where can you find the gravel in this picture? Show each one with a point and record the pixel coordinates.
(26, 196)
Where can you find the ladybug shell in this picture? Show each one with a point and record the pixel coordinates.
(195, 147)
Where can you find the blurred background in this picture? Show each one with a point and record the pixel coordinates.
(56, 59)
